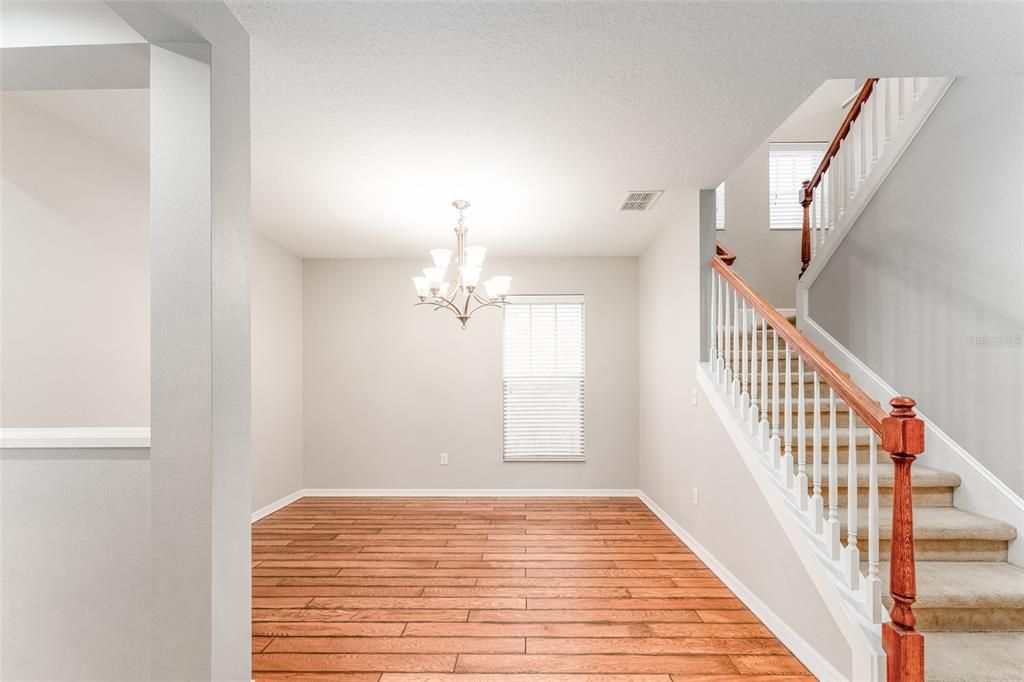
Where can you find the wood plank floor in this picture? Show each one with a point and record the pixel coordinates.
(430, 589)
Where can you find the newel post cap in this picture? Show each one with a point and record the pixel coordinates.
(805, 195)
(903, 430)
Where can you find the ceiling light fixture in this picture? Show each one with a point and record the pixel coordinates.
(459, 292)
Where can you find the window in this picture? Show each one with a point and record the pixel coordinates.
(789, 164)
(720, 207)
(543, 386)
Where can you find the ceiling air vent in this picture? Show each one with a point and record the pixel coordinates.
(640, 201)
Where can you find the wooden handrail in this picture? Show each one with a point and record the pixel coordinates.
(867, 409)
(724, 253)
(844, 130)
(807, 193)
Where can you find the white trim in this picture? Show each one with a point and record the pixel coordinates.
(275, 505)
(980, 491)
(902, 137)
(469, 492)
(75, 437)
(807, 654)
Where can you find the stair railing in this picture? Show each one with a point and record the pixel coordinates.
(878, 110)
(751, 345)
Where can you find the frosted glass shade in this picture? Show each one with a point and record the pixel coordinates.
(434, 276)
(470, 275)
(498, 286)
(442, 257)
(475, 255)
(422, 286)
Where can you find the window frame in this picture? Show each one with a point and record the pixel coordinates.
(720, 210)
(520, 299)
(819, 149)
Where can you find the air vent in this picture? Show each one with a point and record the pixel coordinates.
(640, 201)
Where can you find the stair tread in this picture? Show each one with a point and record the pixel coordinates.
(974, 656)
(920, 476)
(934, 523)
(965, 584)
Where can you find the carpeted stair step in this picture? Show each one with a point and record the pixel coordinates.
(940, 533)
(974, 656)
(932, 487)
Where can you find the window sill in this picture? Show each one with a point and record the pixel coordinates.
(543, 459)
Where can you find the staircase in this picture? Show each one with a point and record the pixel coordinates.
(970, 601)
(880, 526)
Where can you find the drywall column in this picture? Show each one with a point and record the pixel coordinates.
(200, 369)
(708, 239)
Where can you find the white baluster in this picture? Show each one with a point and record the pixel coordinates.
(877, 119)
(775, 443)
(745, 365)
(727, 332)
(719, 363)
(854, 140)
(906, 95)
(737, 368)
(832, 525)
(751, 415)
(841, 190)
(918, 87)
(850, 172)
(864, 148)
(712, 328)
(787, 456)
(801, 437)
(892, 107)
(874, 585)
(814, 221)
(817, 510)
(852, 552)
(763, 424)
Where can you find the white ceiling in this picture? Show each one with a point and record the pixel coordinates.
(369, 118)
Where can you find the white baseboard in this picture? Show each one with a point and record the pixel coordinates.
(807, 654)
(980, 491)
(275, 505)
(470, 492)
(62, 437)
(440, 492)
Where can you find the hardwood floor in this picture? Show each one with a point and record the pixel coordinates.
(519, 589)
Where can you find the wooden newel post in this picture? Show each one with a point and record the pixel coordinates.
(903, 437)
(805, 236)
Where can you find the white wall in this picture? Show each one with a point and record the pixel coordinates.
(276, 372)
(683, 446)
(75, 289)
(75, 524)
(770, 259)
(934, 264)
(388, 387)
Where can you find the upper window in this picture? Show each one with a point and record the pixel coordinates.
(543, 366)
(789, 164)
(720, 207)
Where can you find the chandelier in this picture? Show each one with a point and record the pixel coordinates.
(457, 291)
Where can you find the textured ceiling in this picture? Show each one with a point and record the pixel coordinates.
(369, 118)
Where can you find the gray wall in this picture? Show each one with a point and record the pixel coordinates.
(276, 372)
(685, 446)
(927, 289)
(75, 567)
(75, 294)
(388, 387)
(770, 259)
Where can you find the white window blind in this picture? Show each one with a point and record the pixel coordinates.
(720, 207)
(789, 164)
(543, 362)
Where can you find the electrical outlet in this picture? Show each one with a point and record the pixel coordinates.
(444, 459)
(695, 497)
(693, 396)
